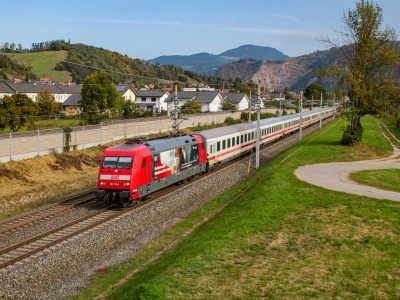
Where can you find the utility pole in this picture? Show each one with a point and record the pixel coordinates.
(250, 108)
(280, 104)
(258, 134)
(312, 101)
(176, 123)
(320, 117)
(301, 114)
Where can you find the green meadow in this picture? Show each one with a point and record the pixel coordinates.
(44, 67)
(278, 237)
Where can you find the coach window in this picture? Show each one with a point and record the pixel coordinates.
(249, 136)
(237, 140)
(241, 139)
(223, 145)
(229, 143)
(245, 138)
(210, 147)
(252, 135)
(233, 142)
(218, 146)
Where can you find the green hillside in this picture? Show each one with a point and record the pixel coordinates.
(44, 67)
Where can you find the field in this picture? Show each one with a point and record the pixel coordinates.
(277, 237)
(44, 67)
(383, 179)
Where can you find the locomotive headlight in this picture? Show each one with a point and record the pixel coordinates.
(126, 183)
(102, 183)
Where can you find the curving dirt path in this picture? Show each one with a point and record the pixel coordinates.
(336, 176)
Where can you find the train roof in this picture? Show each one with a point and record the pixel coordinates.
(224, 131)
(156, 146)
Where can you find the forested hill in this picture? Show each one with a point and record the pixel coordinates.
(11, 68)
(206, 63)
(123, 66)
(255, 52)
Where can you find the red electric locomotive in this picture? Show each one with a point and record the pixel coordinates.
(140, 167)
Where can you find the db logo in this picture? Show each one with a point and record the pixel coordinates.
(114, 177)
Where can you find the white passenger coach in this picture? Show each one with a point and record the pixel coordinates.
(226, 143)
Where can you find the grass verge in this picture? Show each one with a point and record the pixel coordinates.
(384, 179)
(282, 238)
(393, 129)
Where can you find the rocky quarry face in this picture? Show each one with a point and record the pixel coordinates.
(279, 74)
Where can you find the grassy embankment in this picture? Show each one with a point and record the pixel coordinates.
(282, 238)
(44, 67)
(29, 183)
(384, 179)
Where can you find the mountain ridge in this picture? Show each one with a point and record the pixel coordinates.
(207, 63)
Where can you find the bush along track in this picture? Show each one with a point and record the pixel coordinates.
(281, 238)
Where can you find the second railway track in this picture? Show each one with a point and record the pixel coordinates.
(29, 247)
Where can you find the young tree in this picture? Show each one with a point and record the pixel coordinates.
(314, 91)
(191, 107)
(99, 97)
(228, 105)
(16, 111)
(47, 104)
(367, 53)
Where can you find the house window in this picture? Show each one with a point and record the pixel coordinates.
(153, 100)
(143, 99)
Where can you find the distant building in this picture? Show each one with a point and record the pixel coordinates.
(72, 106)
(127, 92)
(240, 100)
(152, 100)
(189, 89)
(209, 101)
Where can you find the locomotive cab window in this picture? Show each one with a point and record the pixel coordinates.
(117, 162)
(144, 163)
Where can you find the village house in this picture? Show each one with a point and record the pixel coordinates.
(127, 92)
(152, 100)
(240, 100)
(72, 106)
(209, 101)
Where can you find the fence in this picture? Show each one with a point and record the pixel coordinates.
(22, 145)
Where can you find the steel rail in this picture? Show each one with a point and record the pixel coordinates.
(35, 210)
(37, 238)
(8, 228)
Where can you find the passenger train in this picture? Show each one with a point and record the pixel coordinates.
(132, 171)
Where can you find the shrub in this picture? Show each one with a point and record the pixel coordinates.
(230, 121)
(398, 121)
(244, 116)
(352, 137)
(145, 291)
(284, 112)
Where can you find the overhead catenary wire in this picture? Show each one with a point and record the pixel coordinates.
(122, 73)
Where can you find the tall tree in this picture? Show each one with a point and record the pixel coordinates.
(100, 99)
(367, 53)
(16, 111)
(47, 104)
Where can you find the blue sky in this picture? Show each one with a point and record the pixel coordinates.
(147, 29)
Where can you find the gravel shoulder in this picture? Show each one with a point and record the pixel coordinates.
(336, 176)
(65, 269)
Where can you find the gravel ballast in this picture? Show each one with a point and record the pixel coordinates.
(62, 271)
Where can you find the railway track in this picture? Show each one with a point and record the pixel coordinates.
(46, 211)
(29, 247)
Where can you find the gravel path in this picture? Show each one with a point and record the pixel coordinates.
(336, 176)
(63, 270)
